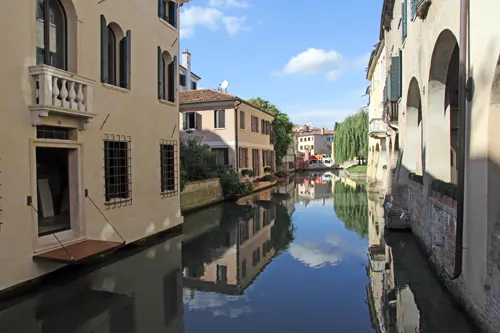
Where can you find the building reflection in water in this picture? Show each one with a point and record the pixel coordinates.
(140, 292)
(404, 295)
(227, 259)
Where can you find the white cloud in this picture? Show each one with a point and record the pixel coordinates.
(333, 75)
(217, 304)
(315, 61)
(211, 18)
(234, 24)
(315, 255)
(311, 61)
(321, 117)
(228, 3)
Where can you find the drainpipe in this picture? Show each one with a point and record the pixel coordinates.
(462, 73)
(236, 130)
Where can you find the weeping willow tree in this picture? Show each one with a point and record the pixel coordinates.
(351, 138)
(351, 206)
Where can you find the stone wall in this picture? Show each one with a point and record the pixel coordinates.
(434, 222)
(201, 193)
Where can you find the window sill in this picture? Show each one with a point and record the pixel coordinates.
(219, 128)
(168, 194)
(162, 101)
(168, 24)
(117, 201)
(116, 88)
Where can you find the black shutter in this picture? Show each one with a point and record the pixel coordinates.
(160, 9)
(172, 79)
(215, 119)
(104, 51)
(172, 13)
(161, 69)
(128, 60)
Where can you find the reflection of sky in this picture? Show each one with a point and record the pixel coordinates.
(318, 285)
(217, 304)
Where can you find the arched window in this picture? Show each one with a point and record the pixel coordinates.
(111, 56)
(115, 55)
(167, 76)
(51, 34)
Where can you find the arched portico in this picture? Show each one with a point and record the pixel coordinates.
(414, 138)
(442, 113)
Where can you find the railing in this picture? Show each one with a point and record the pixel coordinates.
(56, 88)
(377, 126)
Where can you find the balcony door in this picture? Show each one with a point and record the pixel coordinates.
(51, 34)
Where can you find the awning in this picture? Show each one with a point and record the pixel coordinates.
(79, 251)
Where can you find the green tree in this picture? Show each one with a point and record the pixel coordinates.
(351, 138)
(282, 126)
(197, 161)
(351, 206)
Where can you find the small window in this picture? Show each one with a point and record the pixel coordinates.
(301, 147)
(194, 85)
(167, 76)
(243, 269)
(117, 169)
(167, 10)
(220, 119)
(115, 55)
(221, 273)
(256, 256)
(182, 80)
(52, 132)
(242, 120)
(190, 120)
(221, 156)
(243, 157)
(168, 167)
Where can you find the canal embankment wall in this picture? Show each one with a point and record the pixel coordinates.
(434, 221)
(200, 194)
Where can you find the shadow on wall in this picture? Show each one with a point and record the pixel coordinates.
(225, 153)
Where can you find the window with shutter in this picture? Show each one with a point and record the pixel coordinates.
(405, 19)
(161, 77)
(104, 51)
(182, 80)
(256, 125)
(172, 79)
(242, 120)
(414, 4)
(395, 79)
(219, 119)
(194, 85)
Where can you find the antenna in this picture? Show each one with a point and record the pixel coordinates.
(223, 86)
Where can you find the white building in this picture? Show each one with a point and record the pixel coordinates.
(187, 79)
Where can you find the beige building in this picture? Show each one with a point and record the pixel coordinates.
(447, 116)
(89, 142)
(317, 142)
(240, 133)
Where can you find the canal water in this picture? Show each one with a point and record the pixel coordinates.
(311, 255)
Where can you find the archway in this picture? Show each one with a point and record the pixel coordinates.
(443, 113)
(414, 138)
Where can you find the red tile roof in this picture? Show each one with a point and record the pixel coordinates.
(211, 95)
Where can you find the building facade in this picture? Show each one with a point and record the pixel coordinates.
(316, 142)
(445, 114)
(239, 133)
(82, 171)
(187, 79)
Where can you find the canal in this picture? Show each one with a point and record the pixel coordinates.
(309, 255)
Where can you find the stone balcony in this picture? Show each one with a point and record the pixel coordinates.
(61, 97)
(377, 128)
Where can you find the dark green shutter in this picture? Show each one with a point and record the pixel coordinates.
(172, 13)
(161, 69)
(413, 9)
(172, 76)
(128, 60)
(405, 19)
(395, 79)
(104, 51)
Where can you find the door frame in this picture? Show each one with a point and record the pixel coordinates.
(76, 194)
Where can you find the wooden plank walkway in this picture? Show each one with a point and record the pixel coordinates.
(79, 251)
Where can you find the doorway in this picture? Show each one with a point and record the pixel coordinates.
(53, 183)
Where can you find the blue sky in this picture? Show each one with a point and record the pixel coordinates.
(308, 58)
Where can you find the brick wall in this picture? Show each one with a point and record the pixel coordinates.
(434, 223)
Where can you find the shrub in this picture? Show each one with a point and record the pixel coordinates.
(281, 173)
(416, 178)
(232, 186)
(267, 178)
(246, 172)
(447, 189)
(197, 161)
(268, 169)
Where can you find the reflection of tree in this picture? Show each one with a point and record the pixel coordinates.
(351, 206)
(283, 231)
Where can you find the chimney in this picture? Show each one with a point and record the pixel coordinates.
(186, 63)
(322, 130)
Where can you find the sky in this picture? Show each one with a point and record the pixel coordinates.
(308, 58)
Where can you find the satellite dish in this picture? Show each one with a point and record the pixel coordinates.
(224, 85)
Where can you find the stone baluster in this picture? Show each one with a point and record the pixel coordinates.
(64, 94)
(45, 86)
(72, 96)
(80, 97)
(55, 92)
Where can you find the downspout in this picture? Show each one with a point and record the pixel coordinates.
(462, 72)
(236, 130)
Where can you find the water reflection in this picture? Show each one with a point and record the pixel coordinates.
(312, 254)
(404, 295)
(140, 292)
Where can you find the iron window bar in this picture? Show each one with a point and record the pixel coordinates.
(117, 170)
(169, 168)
